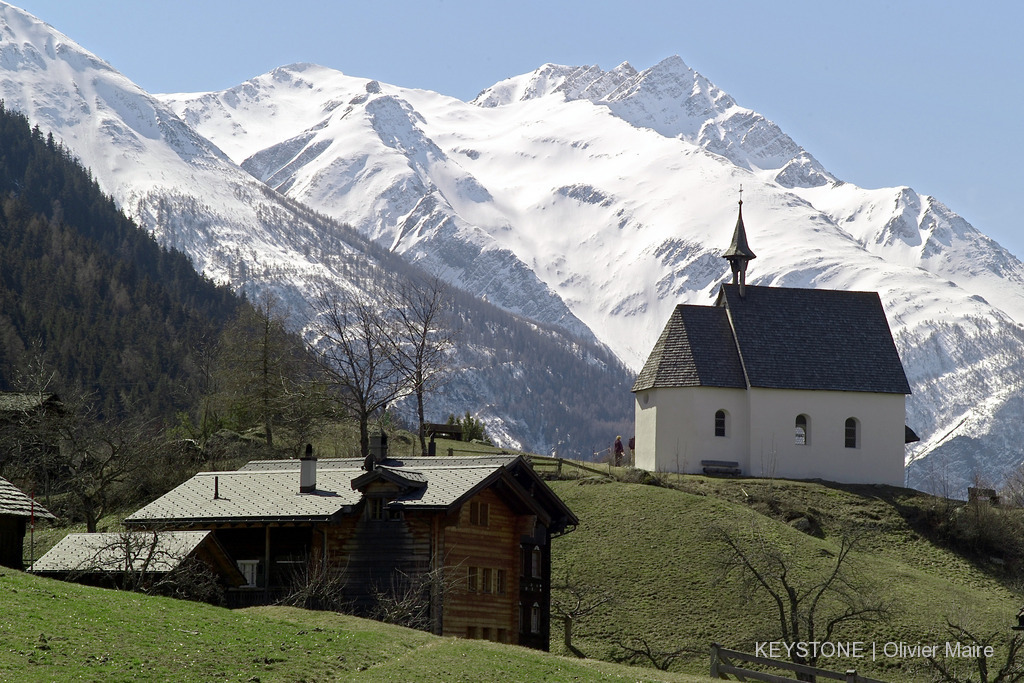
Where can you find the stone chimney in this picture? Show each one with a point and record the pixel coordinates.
(307, 471)
(379, 448)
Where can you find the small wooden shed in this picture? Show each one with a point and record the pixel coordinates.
(134, 559)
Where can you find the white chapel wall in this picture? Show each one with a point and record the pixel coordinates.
(877, 458)
(675, 428)
(675, 431)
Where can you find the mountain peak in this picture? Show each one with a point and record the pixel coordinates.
(28, 44)
(593, 219)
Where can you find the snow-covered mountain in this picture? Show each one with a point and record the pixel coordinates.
(162, 173)
(590, 200)
(236, 229)
(618, 189)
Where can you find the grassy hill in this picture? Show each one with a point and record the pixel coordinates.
(54, 631)
(659, 552)
(656, 550)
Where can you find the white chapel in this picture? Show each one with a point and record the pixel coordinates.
(775, 382)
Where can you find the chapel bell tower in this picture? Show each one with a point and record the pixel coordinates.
(739, 254)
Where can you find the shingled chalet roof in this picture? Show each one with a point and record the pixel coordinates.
(783, 338)
(268, 491)
(111, 551)
(23, 402)
(14, 502)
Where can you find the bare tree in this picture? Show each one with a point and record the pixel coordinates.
(206, 356)
(972, 651)
(318, 585)
(97, 456)
(150, 562)
(29, 431)
(639, 650)
(572, 600)
(407, 598)
(809, 605)
(1012, 493)
(264, 370)
(424, 338)
(355, 346)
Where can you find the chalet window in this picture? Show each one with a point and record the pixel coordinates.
(471, 632)
(486, 578)
(502, 635)
(720, 423)
(536, 564)
(522, 618)
(478, 513)
(471, 580)
(486, 633)
(375, 508)
(852, 433)
(251, 571)
(535, 618)
(499, 582)
(802, 434)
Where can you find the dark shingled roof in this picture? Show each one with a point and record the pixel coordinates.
(739, 246)
(696, 349)
(786, 339)
(14, 502)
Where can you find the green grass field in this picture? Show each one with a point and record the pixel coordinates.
(658, 551)
(54, 631)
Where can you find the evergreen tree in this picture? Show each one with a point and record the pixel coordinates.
(116, 315)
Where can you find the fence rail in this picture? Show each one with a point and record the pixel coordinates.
(562, 467)
(722, 665)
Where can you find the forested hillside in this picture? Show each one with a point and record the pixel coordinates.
(89, 296)
(569, 393)
(103, 308)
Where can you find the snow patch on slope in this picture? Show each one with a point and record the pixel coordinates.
(592, 199)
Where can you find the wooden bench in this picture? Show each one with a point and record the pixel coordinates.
(727, 468)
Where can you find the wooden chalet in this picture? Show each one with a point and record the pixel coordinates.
(480, 527)
(17, 512)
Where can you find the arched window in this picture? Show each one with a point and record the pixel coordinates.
(720, 423)
(803, 434)
(852, 439)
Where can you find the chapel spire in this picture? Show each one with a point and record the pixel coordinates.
(739, 253)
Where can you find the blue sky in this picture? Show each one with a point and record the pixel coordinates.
(883, 93)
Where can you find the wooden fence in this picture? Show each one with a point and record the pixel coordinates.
(722, 665)
(561, 467)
